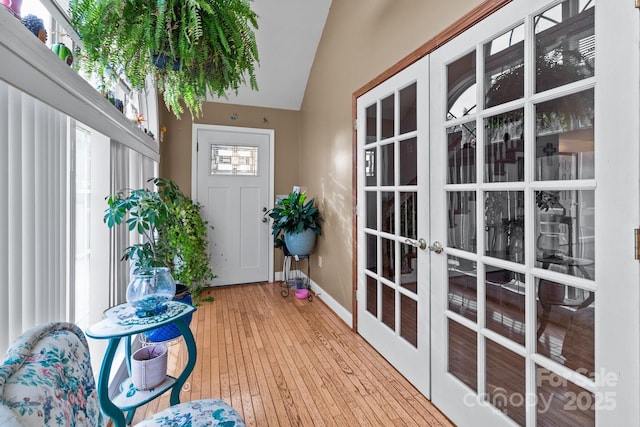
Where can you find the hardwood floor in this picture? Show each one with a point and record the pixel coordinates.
(288, 362)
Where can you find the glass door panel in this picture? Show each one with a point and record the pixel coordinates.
(392, 190)
(516, 289)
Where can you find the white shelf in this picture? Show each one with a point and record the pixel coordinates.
(130, 398)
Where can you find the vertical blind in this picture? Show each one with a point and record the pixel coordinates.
(33, 221)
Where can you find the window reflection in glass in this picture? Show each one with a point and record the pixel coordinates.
(372, 295)
(565, 325)
(372, 133)
(461, 86)
(409, 266)
(462, 294)
(504, 147)
(504, 225)
(565, 44)
(564, 230)
(370, 167)
(409, 162)
(561, 402)
(504, 67)
(461, 153)
(387, 164)
(505, 307)
(463, 354)
(408, 214)
(388, 213)
(372, 209)
(461, 210)
(506, 381)
(564, 138)
(409, 319)
(387, 106)
(388, 259)
(408, 113)
(372, 253)
(389, 306)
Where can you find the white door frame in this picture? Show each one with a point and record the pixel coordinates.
(235, 129)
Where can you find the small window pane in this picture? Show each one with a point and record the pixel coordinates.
(565, 138)
(387, 159)
(371, 124)
(409, 162)
(370, 167)
(234, 160)
(388, 108)
(408, 114)
(461, 143)
(462, 220)
(461, 86)
(565, 44)
(372, 296)
(504, 225)
(504, 147)
(463, 354)
(463, 284)
(564, 229)
(504, 67)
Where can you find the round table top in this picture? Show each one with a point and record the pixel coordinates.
(121, 320)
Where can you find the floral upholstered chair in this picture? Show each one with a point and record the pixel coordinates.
(46, 380)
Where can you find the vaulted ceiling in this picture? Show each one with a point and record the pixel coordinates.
(287, 38)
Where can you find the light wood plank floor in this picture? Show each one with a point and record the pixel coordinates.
(288, 362)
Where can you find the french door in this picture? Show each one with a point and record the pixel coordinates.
(393, 183)
(535, 297)
(522, 165)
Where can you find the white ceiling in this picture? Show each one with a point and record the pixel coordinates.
(287, 38)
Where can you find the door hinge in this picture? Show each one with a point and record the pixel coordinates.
(355, 121)
(197, 146)
(637, 240)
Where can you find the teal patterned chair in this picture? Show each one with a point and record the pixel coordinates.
(46, 380)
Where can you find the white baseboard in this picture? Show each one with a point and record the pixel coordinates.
(337, 308)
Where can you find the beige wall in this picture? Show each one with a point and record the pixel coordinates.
(175, 150)
(362, 38)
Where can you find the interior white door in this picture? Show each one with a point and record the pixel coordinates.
(535, 297)
(393, 184)
(234, 185)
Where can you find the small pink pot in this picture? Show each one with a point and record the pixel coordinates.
(302, 293)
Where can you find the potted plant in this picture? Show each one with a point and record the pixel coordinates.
(187, 234)
(296, 223)
(174, 236)
(209, 45)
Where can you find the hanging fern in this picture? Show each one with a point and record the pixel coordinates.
(212, 40)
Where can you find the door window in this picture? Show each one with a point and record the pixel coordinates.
(519, 203)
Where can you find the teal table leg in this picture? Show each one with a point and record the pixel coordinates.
(191, 349)
(110, 410)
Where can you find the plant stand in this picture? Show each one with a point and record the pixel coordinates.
(292, 277)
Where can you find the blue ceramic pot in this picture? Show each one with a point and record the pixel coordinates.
(300, 243)
(171, 331)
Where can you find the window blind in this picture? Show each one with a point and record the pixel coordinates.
(33, 223)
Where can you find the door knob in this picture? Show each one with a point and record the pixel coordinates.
(420, 243)
(436, 247)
